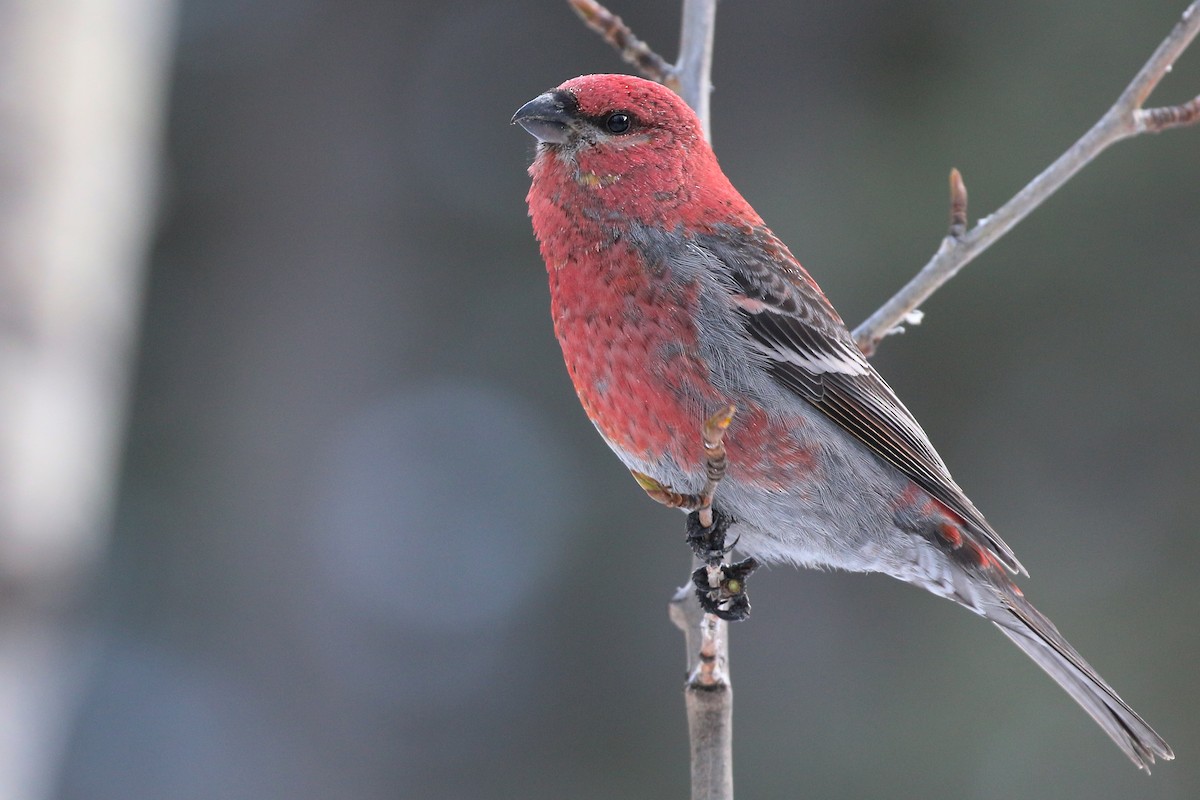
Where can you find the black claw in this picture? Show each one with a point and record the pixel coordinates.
(709, 543)
(727, 599)
(734, 610)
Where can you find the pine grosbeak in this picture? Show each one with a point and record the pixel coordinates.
(671, 300)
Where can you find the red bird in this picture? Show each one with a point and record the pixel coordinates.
(672, 300)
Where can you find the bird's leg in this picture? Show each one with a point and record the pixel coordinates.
(713, 434)
(720, 587)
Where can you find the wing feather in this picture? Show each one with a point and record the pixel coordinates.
(808, 350)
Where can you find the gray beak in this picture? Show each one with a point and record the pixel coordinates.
(547, 117)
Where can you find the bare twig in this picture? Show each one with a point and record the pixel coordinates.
(1153, 120)
(632, 49)
(708, 696)
(694, 67)
(1126, 118)
(958, 205)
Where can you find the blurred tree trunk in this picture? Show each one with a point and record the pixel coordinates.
(81, 95)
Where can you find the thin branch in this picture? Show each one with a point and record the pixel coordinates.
(958, 205)
(709, 706)
(694, 67)
(1126, 118)
(1153, 120)
(632, 49)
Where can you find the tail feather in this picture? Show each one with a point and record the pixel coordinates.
(1041, 641)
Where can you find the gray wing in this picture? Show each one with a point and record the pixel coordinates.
(808, 350)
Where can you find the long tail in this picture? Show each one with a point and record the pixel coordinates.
(1037, 636)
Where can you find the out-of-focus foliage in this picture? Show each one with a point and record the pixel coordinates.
(368, 546)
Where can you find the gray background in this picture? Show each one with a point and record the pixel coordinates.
(368, 546)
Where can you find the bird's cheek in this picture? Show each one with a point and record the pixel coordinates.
(626, 142)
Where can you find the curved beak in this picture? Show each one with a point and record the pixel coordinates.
(546, 117)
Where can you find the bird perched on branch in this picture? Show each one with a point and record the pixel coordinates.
(672, 300)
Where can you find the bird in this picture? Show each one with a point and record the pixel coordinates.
(672, 300)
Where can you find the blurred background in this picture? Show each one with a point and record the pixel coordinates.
(296, 500)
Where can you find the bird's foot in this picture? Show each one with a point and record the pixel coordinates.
(721, 589)
(709, 543)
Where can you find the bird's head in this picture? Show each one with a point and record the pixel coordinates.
(623, 133)
(609, 112)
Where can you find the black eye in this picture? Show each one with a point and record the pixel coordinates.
(617, 122)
